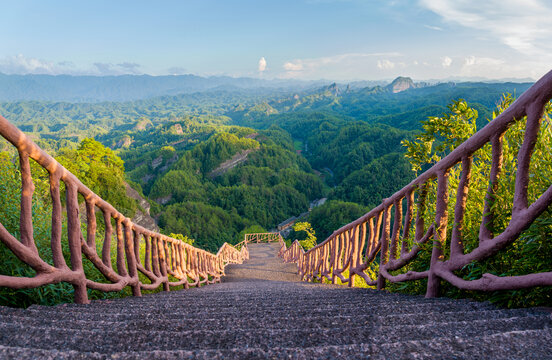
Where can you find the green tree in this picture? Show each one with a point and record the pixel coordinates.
(211, 226)
(442, 135)
(369, 185)
(447, 132)
(310, 241)
(183, 238)
(99, 168)
(334, 214)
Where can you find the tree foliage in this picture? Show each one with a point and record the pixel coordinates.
(310, 240)
(333, 215)
(529, 253)
(99, 168)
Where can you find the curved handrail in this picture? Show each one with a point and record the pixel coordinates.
(353, 247)
(164, 256)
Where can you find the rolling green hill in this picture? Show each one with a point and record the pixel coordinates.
(251, 156)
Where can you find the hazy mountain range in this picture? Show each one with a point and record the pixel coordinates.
(135, 87)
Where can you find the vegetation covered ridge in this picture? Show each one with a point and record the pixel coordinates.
(496, 185)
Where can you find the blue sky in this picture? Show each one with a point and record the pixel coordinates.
(301, 39)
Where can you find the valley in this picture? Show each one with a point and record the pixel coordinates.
(212, 166)
(247, 158)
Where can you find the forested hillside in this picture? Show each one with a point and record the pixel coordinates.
(175, 165)
(215, 163)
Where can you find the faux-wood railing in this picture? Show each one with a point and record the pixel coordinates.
(164, 255)
(263, 237)
(350, 250)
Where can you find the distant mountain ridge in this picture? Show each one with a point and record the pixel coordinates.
(127, 87)
(399, 84)
(124, 88)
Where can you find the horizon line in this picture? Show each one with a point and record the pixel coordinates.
(389, 79)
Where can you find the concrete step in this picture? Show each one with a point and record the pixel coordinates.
(520, 345)
(121, 340)
(209, 312)
(269, 321)
(267, 300)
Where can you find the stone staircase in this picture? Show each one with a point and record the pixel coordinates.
(262, 310)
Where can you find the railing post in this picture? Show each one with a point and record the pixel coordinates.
(353, 262)
(106, 249)
(333, 258)
(57, 252)
(384, 245)
(131, 258)
(440, 235)
(74, 234)
(163, 263)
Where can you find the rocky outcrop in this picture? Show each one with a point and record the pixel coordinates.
(146, 178)
(401, 84)
(333, 89)
(163, 200)
(229, 164)
(124, 142)
(177, 129)
(141, 218)
(142, 125)
(156, 162)
(251, 136)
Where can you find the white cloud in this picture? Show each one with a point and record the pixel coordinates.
(446, 62)
(385, 64)
(487, 61)
(436, 28)
(131, 67)
(523, 25)
(20, 64)
(115, 69)
(177, 70)
(262, 64)
(341, 66)
(469, 61)
(104, 68)
(483, 66)
(293, 66)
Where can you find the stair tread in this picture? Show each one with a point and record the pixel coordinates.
(274, 321)
(113, 340)
(527, 344)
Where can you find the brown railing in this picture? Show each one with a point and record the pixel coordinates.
(292, 254)
(351, 250)
(263, 237)
(163, 256)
